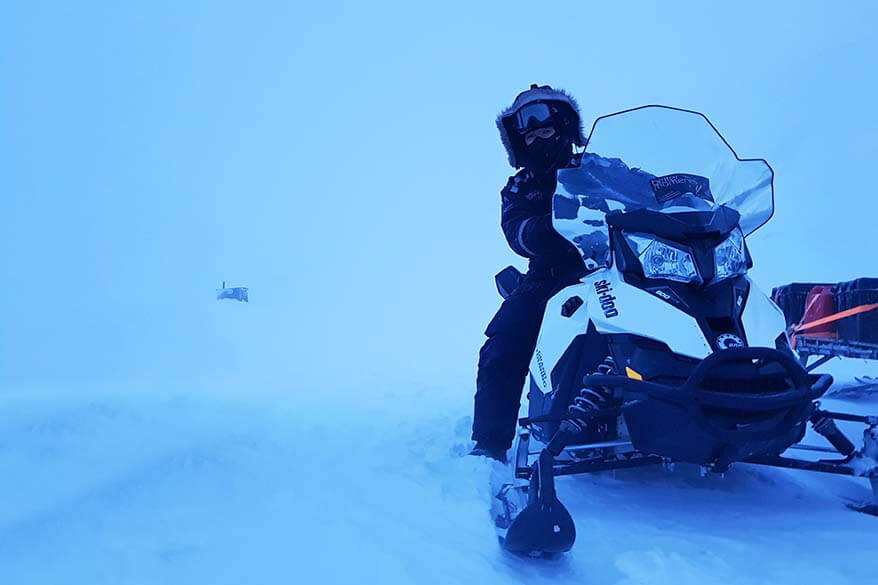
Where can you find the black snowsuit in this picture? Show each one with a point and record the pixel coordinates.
(512, 333)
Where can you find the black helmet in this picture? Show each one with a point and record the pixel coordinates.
(534, 108)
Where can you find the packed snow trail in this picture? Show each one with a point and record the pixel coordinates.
(165, 488)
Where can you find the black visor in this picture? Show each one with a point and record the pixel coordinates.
(532, 116)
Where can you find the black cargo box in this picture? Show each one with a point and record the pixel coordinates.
(855, 293)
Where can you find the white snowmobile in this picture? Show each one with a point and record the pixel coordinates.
(666, 351)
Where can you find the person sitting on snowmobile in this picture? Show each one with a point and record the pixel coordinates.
(538, 131)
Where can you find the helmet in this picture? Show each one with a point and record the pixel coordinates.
(535, 108)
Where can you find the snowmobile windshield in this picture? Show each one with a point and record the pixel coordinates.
(662, 159)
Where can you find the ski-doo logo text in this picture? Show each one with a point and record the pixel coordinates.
(607, 300)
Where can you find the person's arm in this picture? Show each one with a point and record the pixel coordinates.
(526, 225)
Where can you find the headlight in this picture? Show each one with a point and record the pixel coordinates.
(729, 257)
(661, 260)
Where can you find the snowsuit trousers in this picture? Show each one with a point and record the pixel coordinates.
(504, 361)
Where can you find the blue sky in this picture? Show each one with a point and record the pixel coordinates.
(341, 160)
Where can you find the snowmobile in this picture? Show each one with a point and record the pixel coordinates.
(666, 351)
(238, 293)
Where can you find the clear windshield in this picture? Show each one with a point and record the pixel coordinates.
(658, 158)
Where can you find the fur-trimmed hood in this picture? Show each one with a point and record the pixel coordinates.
(542, 93)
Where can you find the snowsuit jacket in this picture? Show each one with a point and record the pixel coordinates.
(526, 220)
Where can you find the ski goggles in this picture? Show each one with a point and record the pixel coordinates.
(532, 116)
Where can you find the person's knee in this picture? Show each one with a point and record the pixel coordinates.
(505, 352)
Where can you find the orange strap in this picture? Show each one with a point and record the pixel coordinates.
(835, 317)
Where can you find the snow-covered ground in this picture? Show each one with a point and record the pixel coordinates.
(216, 486)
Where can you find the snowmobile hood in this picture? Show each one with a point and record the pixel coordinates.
(536, 93)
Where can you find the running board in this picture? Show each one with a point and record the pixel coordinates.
(630, 445)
